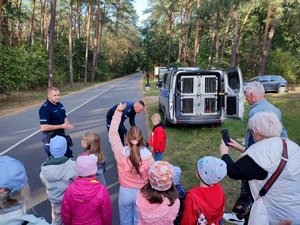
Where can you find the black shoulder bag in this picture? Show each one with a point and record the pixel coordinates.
(243, 205)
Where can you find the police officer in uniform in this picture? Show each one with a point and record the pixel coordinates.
(53, 119)
(132, 108)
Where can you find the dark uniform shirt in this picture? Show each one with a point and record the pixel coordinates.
(128, 112)
(53, 115)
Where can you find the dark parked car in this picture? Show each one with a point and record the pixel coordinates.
(271, 83)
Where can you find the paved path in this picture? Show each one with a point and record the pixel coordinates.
(20, 136)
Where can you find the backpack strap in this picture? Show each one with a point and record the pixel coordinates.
(275, 175)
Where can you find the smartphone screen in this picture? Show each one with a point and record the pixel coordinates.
(225, 136)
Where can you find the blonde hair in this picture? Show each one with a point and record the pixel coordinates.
(19, 198)
(156, 117)
(135, 140)
(266, 124)
(93, 144)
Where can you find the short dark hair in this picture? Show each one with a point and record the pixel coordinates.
(141, 102)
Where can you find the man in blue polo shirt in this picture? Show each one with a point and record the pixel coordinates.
(53, 119)
(132, 108)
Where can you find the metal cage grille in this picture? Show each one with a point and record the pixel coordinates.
(210, 85)
(188, 85)
(187, 105)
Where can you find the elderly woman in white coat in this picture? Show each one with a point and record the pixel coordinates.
(260, 161)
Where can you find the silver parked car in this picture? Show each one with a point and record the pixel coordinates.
(271, 83)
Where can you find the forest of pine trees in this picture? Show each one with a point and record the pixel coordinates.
(70, 41)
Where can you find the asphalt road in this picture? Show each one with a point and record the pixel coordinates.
(20, 136)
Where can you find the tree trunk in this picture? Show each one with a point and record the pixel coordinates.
(179, 57)
(117, 18)
(265, 38)
(42, 20)
(12, 32)
(196, 44)
(224, 40)
(78, 18)
(32, 24)
(96, 42)
(87, 41)
(185, 38)
(1, 33)
(19, 23)
(217, 37)
(170, 38)
(266, 50)
(235, 38)
(51, 41)
(211, 46)
(70, 46)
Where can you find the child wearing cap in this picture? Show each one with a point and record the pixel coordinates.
(86, 200)
(158, 137)
(181, 193)
(57, 173)
(13, 194)
(205, 204)
(157, 202)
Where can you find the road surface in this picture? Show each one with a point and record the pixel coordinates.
(20, 136)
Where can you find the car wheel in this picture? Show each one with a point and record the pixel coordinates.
(281, 90)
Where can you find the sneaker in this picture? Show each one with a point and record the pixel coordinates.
(232, 218)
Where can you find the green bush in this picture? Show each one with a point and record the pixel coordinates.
(22, 68)
(286, 64)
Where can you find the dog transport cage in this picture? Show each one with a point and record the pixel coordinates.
(199, 94)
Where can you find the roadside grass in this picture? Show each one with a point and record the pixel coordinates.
(187, 144)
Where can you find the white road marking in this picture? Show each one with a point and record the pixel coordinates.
(31, 135)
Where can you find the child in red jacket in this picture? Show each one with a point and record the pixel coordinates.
(157, 139)
(205, 203)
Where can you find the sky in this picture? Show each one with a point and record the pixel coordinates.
(140, 5)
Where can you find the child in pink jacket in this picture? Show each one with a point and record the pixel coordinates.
(133, 162)
(157, 202)
(86, 201)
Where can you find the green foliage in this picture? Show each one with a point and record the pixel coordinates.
(285, 63)
(22, 68)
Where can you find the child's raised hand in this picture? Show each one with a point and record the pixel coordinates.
(121, 106)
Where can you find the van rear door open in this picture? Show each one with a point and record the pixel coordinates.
(234, 92)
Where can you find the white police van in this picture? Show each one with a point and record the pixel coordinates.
(190, 95)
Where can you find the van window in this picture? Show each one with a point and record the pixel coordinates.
(234, 81)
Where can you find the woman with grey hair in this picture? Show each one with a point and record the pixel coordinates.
(260, 161)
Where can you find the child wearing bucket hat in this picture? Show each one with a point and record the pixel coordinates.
(205, 203)
(86, 200)
(57, 173)
(13, 180)
(157, 202)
